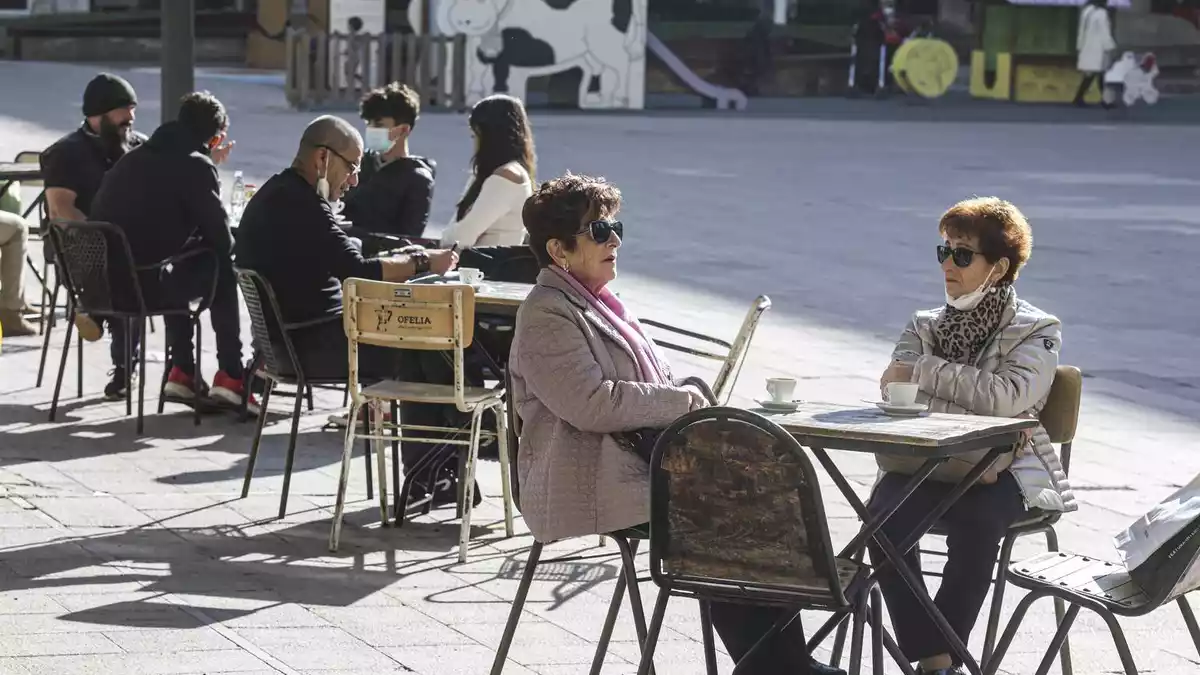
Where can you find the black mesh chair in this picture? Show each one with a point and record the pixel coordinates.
(276, 362)
(627, 542)
(736, 517)
(92, 259)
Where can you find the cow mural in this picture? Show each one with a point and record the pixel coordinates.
(510, 41)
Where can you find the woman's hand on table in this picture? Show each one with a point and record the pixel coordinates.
(897, 371)
(442, 261)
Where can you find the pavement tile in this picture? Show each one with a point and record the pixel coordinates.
(167, 640)
(98, 512)
(326, 648)
(164, 663)
(57, 644)
(32, 601)
(389, 626)
(464, 659)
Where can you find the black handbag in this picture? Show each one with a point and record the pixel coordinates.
(642, 441)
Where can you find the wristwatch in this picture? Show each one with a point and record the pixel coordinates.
(420, 261)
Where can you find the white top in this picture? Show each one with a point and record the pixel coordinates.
(495, 217)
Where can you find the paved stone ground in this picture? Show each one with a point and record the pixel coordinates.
(127, 554)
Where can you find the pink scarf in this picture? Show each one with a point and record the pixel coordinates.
(610, 307)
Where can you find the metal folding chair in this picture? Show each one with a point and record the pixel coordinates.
(418, 317)
(735, 354)
(1108, 589)
(627, 544)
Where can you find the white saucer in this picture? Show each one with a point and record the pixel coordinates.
(912, 410)
(788, 406)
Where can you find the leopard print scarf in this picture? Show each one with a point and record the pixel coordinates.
(960, 336)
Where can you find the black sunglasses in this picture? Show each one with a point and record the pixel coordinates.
(603, 230)
(354, 168)
(962, 256)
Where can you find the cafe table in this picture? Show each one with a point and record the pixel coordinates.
(934, 437)
(11, 172)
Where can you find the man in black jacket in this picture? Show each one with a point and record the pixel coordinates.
(166, 196)
(395, 188)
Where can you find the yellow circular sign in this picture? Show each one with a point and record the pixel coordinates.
(925, 66)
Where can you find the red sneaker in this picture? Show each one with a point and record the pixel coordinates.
(180, 385)
(232, 390)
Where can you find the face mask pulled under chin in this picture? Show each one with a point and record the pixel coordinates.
(969, 301)
(323, 181)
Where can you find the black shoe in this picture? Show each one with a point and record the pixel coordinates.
(115, 389)
(818, 668)
(446, 492)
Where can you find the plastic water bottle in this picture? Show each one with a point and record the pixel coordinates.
(237, 196)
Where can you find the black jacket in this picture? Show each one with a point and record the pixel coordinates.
(289, 235)
(164, 193)
(392, 198)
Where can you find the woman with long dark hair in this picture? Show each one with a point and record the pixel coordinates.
(489, 213)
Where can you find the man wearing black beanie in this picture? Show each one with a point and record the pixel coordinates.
(73, 167)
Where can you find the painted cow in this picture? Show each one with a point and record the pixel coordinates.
(509, 41)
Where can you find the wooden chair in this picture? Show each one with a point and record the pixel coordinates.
(437, 317)
(737, 516)
(277, 363)
(1108, 589)
(1060, 419)
(92, 255)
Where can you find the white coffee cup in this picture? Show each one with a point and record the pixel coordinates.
(470, 275)
(902, 393)
(781, 389)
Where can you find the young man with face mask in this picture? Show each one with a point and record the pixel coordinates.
(74, 166)
(166, 196)
(395, 189)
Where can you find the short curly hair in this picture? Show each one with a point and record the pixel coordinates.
(397, 101)
(203, 115)
(1000, 228)
(560, 207)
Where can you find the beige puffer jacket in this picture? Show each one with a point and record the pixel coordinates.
(1010, 378)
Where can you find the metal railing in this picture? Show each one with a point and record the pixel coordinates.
(335, 70)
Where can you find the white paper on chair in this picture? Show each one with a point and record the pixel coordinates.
(1158, 526)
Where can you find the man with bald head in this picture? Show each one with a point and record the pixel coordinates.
(290, 234)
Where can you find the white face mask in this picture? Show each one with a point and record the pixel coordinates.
(377, 139)
(969, 301)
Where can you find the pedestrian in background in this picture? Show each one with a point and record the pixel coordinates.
(1095, 43)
